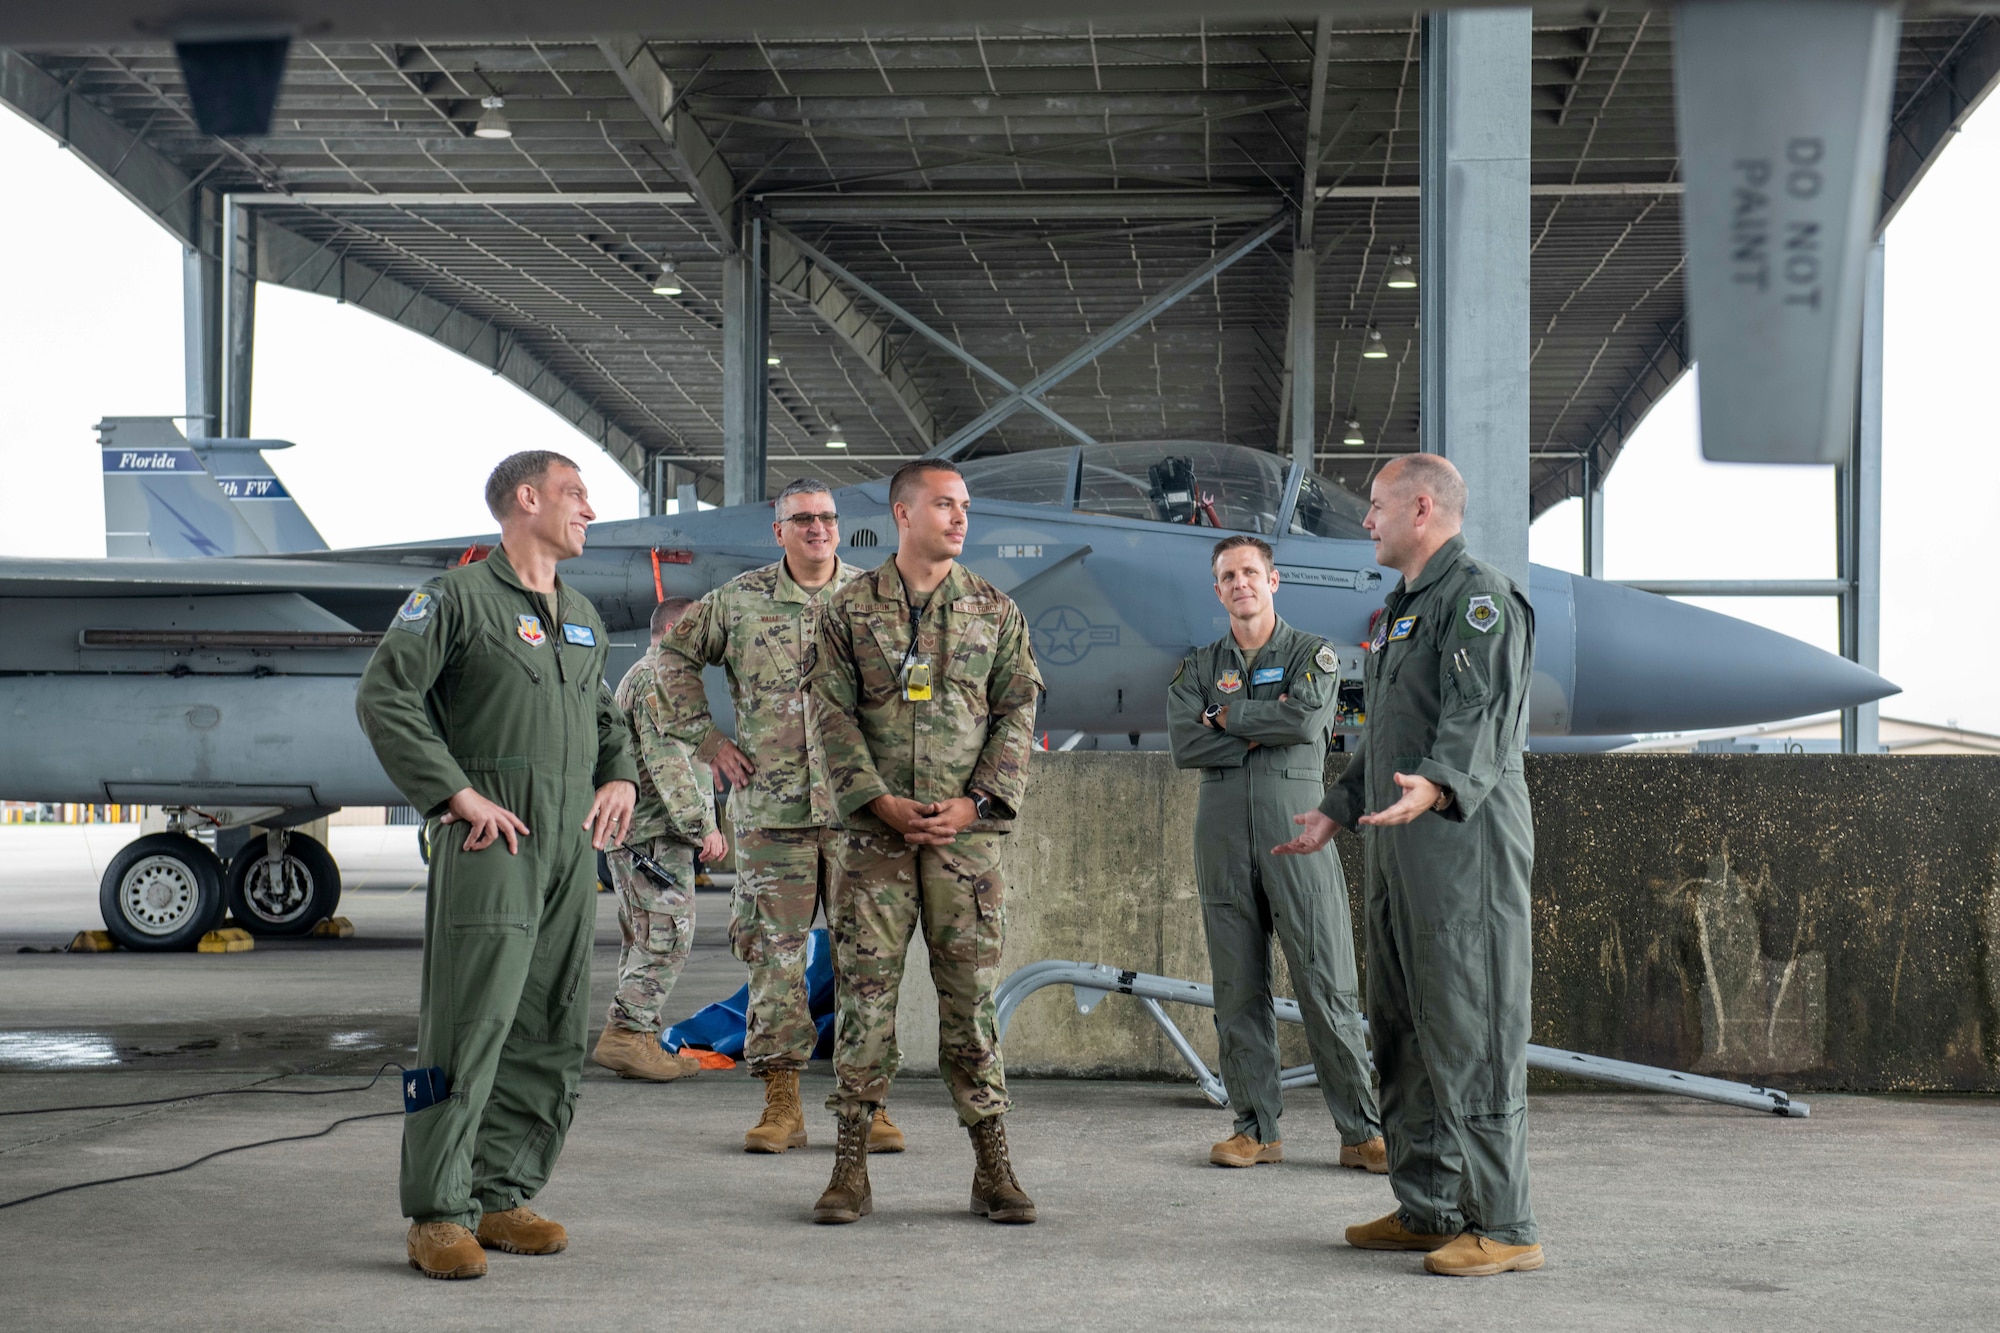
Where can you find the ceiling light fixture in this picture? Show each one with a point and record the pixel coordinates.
(668, 283)
(773, 360)
(1353, 435)
(833, 440)
(1373, 350)
(492, 122)
(1402, 274)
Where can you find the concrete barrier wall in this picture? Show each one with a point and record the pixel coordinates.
(1823, 921)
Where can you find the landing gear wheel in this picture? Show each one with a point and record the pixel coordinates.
(288, 897)
(162, 892)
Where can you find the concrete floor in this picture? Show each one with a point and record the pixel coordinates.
(1657, 1212)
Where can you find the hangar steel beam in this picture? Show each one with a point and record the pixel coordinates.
(1474, 163)
(1937, 112)
(290, 260)
(797, 268)
(239, 316)
(746, 381)
(830, 266)
(201, 318)
(1860, 490)
(134, 168)
(1155, 305)
(1301, 353)
(1593, 515)
(692, 152)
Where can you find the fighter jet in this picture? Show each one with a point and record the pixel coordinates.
(219, 683)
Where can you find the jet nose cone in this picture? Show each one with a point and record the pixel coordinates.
(1646, 663)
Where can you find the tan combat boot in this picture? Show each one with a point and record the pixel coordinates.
(883, 1136)
(638, 1055)
(1242, 1150)
(847, 1197)
(1481, 1256)
(522, 1231)
(1389, 1233)
(783, 1124)
(1372, 1156)
(445, 1250)
(996, 1195)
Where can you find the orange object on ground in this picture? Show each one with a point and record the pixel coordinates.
(709, 1059)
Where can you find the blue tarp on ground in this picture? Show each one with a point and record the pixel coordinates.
(720, 1027)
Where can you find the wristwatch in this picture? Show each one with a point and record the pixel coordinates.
(1444, 800)
(982, 804)
(1210, 714)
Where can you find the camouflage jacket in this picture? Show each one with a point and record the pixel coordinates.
(976, 729)
(760, 628)
(676, 791)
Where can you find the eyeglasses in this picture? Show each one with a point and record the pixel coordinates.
(800, 522)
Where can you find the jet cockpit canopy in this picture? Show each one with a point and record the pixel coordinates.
(1201, 484)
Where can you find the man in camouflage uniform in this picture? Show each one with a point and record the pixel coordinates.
(760, 627)
(1451, 845)
(927, 687)
(674, 814)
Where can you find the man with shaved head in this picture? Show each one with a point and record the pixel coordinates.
(1438, 791)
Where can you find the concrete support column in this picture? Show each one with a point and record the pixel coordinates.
(201, 320)
(1860, 491)
(239, 317)
(1474, 175)
(746, 313)
(1593, 516)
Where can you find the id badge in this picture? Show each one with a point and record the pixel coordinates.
(917, 679)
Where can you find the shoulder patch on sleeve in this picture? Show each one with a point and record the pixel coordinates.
(1478, 615)
(1325, 658)
(417, 609)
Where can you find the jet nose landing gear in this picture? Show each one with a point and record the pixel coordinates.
(282, 883)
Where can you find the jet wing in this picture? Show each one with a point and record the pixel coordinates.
(36, 577)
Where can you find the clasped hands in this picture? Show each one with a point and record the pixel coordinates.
(926, 825)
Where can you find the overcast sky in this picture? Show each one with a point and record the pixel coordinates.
(395, 434)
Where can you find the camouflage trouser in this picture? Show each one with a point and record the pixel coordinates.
(782, 875)
(957, 893)
(656, 922)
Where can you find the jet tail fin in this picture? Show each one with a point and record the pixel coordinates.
(260, 498)
(160, 500)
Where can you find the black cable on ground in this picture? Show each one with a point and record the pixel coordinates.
(219, 1092)
(219, 1152)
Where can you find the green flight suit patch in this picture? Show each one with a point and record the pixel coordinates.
(1478, 615)
(415, 613)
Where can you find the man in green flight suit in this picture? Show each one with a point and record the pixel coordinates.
(760, 627)
(675, 814)
(487, 707)
(927, 687)
(1252, 711)
(1439, 790)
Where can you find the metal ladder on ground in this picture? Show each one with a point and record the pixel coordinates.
(1091, 982)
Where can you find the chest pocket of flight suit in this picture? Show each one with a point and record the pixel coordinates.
(491, 645)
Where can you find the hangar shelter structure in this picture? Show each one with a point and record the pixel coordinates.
(722, 253)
